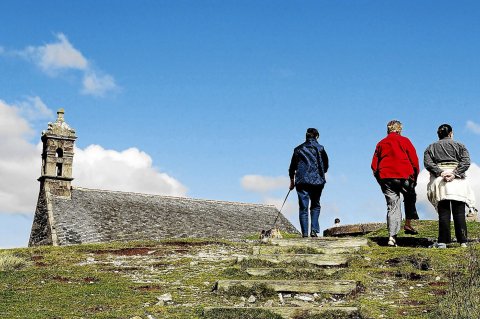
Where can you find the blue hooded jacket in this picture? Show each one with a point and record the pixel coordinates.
(309, 163)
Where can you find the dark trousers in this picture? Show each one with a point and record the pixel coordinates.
(446, 208)
(306, 194)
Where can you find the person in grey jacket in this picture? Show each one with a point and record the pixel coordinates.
(307, 173)
(447, 161)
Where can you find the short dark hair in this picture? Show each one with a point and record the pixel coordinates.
(444, 130)
(312, 132)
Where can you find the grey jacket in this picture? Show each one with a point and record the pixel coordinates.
(444, 151)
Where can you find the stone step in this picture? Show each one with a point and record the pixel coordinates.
(321, 242)
(353, 230)
(285, 312)
(322, 260)
(335, 287)
(270, 271)
(292, 250)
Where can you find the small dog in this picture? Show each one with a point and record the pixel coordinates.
(270, 233)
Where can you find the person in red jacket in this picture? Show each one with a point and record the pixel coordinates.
(395, 166)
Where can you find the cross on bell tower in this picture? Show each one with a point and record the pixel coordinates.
(57, 156)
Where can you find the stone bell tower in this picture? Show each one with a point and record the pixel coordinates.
(55, 179)
(57, 156)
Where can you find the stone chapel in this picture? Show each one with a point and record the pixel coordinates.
(67, 214)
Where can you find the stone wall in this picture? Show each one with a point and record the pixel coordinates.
(41, 230)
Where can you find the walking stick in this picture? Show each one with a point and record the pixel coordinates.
(280, 211)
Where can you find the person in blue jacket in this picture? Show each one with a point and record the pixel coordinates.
(307, 174)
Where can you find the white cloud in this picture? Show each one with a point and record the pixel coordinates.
(263, 184)
(98, 85)
(18, 172)
(57, 55)
(128, 170)
(61, 56)
(423, 205)
(33, 108)
(473, 127)
(94, 166)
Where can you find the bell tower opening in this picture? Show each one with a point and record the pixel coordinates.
(59, 169)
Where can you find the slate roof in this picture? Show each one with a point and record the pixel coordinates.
(99, 215)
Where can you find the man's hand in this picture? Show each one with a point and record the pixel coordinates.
(448, 176)
(292, 185)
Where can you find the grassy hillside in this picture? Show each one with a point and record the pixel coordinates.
(175, 279)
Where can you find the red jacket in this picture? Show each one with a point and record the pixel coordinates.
(395, 157)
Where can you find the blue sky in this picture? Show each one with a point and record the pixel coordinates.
(207, 99)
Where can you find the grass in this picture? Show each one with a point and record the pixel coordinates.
(237, 314)
(123, 280)
(462, 299)
(329, 315)
(428, 229)
(9, 262)
(97, 281)
(260, 291)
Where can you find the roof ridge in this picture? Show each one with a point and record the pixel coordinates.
(170, 196)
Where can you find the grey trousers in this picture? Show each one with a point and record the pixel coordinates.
(392, 188)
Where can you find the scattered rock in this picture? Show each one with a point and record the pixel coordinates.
(252, 299)
(117, 263)
(269, 303)
(165, 297)
(304, 297)
(280, 297)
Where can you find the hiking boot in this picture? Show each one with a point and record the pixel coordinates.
(313, 234)
(463, 245)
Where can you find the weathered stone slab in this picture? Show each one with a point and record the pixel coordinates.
(321, 242)
(268, 271)
(322, 260)
(336, 287)
(286, 312)
(292, 250)
(353, 230)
